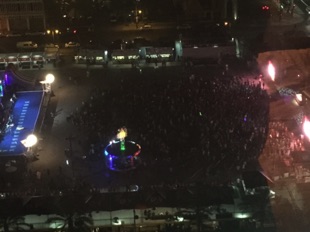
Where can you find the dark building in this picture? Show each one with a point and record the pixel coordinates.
(209, 10)
(22, 15)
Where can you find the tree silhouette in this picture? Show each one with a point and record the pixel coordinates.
(14, 224)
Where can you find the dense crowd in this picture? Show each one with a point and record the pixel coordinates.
(280, 144)
(216, 124)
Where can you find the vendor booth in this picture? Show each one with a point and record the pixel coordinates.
(38, 59)
(125, 56)
(3, 62)
(87, 56)
(12, 58)
(159, 54)
(24, 60)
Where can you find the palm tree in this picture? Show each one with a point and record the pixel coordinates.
(72, 222)
(14, 224)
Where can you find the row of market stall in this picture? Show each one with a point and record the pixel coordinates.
(126, 56)
(150, 54)
(155, 54)
(23, 60)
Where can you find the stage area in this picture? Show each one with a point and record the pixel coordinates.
(25, 114)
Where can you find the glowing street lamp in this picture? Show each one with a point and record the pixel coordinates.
(53, 33)
(47, 83)
(306, 127)
(49, 78)
(30, 141)
(271, 71)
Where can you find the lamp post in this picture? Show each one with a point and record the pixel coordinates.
(47, 83)
(134, 220)
(53, 33)
(29, 142)
(136, 14)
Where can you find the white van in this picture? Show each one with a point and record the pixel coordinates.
(26, 45)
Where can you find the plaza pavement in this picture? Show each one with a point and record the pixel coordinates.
(71, 88)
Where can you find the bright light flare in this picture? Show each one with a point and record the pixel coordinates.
(306, 127)
(30, 141)
(299, 97)
(49, 78)
(122, 133)
(242, 215)
(271, 71)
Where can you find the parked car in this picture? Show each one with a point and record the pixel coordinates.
(51, 45)
(146, 27)
(72, 45)
(13, 34)
(26, 45)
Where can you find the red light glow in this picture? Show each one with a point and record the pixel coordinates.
(306, 127)
(271, 71)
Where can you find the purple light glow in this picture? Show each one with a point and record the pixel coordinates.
(245, 118)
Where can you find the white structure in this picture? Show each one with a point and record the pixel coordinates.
(88, 56)
(22, 15)
(125, 56)
(158, 53)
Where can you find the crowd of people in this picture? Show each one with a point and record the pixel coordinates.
(198, 122)
(280, 144)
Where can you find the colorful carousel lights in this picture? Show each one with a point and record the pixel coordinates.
(122, 155)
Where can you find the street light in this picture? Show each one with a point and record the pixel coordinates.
(47, 83)
(50, 78)
(29, 142)
(136, 14)
(53, 32)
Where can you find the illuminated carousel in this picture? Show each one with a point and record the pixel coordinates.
(122, 154)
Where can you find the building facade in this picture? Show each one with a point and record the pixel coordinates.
(22, 15)
(209, 10)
